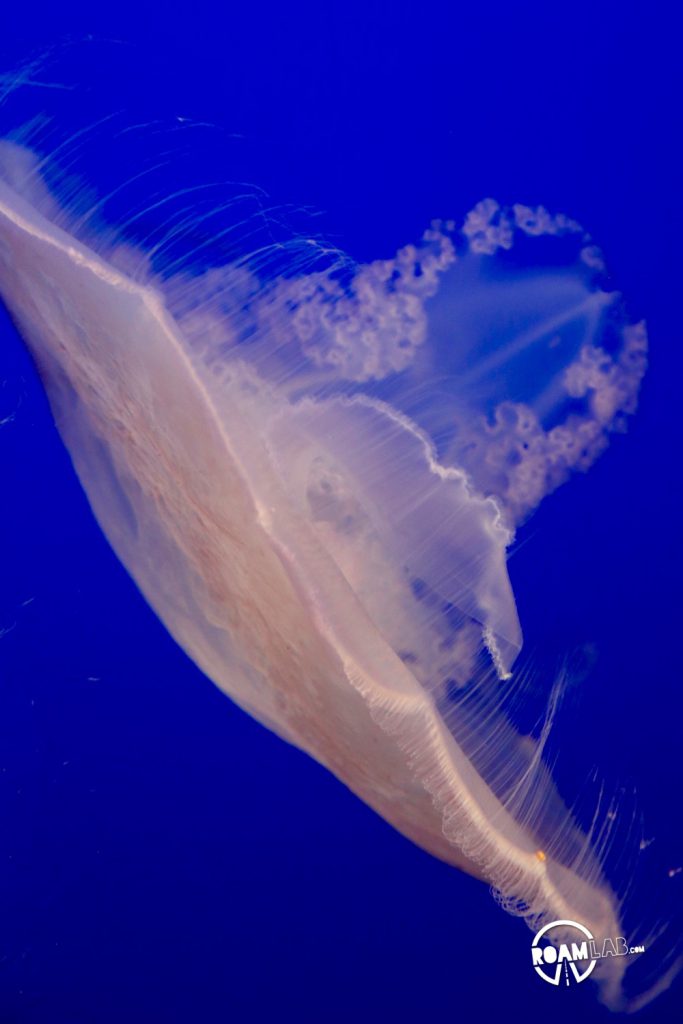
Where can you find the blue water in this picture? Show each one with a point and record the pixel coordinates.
(163, 858)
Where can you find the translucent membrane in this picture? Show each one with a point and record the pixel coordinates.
(313, 471)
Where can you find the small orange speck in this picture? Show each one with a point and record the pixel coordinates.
(540, 855)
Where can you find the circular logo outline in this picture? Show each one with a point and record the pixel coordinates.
(578, 975)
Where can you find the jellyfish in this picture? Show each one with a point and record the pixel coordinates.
(313, 470)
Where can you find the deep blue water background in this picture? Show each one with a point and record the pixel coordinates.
(162, 857)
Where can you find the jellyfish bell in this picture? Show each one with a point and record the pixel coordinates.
(313, 471)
